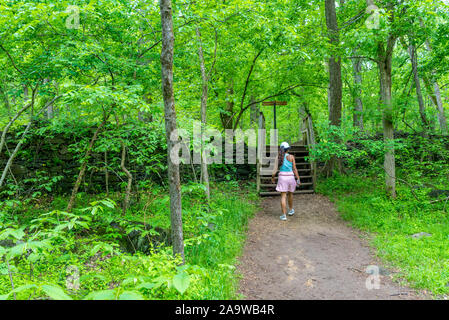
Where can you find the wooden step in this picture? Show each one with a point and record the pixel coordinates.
(291, 147)
(305, 184)
(262, 175)
(269, 177)
(297, 164)
(275, 193)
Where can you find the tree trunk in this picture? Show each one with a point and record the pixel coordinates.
(170, 126)
(22, 139)
(205, 80)
(227, 118)
(422, 109)
(436, 96)
(335, 82)
(254, 112)
(25, 94)
(10, 123)
(358, 103)
(6, 101)
(385, 65)
(13, 155)
(106, 173)
(130, 179)
(84, 166)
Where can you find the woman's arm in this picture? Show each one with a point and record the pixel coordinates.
(295, 170)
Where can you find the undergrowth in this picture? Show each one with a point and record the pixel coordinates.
(97, 253)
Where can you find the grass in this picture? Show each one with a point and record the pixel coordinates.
(423, 262)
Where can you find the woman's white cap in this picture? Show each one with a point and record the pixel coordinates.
(285, 145)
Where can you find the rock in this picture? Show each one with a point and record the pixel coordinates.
(18, 170)
(7, 243)
(384, 272)
(436, 193)
(420, 235)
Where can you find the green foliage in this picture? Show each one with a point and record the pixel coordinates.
(86, 254)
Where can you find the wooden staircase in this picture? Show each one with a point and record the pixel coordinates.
(267, 188)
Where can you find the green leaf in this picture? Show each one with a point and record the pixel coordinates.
(131, 295)
(181, 282)
(55, 292)
(101, 295)
(148, 285)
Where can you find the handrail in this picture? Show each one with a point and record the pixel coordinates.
(308, 137)
(310, 141)
(260, 146)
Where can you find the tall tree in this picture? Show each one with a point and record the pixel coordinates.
(358, 103)
(384, 62)
(413, 53)
(171, 126)
(205, 77)
(435, 94)
(335, 82)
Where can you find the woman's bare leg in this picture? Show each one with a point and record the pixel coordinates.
(284, 202)
(290, 200)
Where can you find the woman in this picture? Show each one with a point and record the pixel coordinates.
(285, 164)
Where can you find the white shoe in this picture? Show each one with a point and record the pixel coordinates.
(284, 218)
(291, 212)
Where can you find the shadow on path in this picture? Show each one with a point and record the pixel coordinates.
(313, 255)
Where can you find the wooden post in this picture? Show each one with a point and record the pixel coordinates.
(274, 104)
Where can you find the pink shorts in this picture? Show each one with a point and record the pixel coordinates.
(286, 182)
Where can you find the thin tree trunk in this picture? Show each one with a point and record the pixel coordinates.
(205, 84)
(436, 97)
(13, 155)
(6, 100)
(245, 90)
(84, 166)
(25, 94)
(11, 122)
(5, 130)
(254, 112)
(106, 173)
(358, 103)
(20, 143)
(227, 117)
(130, 179)
(335, 82)
(171, 126)
(422, 109)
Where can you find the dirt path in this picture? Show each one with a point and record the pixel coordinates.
(313, 255)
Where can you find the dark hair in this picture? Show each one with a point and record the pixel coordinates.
(281, 156)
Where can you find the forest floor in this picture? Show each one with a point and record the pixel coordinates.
(313, 255)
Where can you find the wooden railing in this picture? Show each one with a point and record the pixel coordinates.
(308, 137)
(306, 133)
(260, 137)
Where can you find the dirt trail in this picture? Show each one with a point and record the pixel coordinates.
(313, 255)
